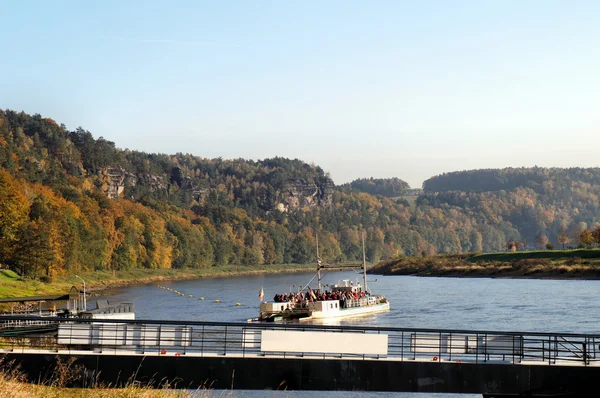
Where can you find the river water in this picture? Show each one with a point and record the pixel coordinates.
(527, 305)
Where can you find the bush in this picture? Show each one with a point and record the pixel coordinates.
(573, 261)
(531, 263)
(46, 279)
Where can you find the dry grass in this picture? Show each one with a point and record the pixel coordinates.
(13, 384)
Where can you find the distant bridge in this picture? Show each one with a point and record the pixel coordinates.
(308, 357)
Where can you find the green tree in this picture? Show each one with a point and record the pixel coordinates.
(33, 255)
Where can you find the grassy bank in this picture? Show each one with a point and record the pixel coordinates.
(580, 263)
(13, 384)
(538, 254)
(12, 285)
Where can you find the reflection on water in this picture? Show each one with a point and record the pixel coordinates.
(444, 303)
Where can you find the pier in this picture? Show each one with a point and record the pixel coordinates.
(308, 357)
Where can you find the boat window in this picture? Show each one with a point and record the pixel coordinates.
(336, 305)
(330, 305)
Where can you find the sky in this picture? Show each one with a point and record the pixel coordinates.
(407, 89)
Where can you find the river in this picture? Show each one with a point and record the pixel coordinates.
(531, 305)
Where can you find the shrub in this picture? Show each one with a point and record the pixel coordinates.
(573, 261)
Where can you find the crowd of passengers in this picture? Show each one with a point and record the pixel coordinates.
(299, 297)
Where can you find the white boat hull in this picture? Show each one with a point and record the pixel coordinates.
(347, 312)
(328, 309)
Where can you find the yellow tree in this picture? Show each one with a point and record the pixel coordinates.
(586, 237)
(14, 209)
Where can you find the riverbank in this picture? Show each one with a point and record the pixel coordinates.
(12, 285)
(555, 264)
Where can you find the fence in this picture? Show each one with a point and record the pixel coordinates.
(149, 337)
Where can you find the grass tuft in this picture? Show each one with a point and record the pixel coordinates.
(13, 384)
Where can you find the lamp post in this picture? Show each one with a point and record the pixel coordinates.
(84, 298)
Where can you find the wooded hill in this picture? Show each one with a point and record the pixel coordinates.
(69, 201)
(388, 187)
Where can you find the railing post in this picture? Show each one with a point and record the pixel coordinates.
(243, 342)
(159, 338)
(476, 347)
(225, 342)
(402, 347)
(513, 349)
(202, 341)
(544, 349)
(440, 348)
(450, 347)
(555, 348)
(549, 350)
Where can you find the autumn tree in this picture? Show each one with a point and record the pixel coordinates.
(563, 238)
(541, 240)
(596, 235)
(511, 246)
(586, 238)
(14, 208)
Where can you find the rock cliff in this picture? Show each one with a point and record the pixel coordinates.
(306, 194)
(297, 194)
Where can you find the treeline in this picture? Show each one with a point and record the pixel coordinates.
(388, 187)
(546, 206)
(179, 211)
(485, 180)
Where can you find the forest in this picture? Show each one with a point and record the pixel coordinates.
(388, 187)
(70, 201)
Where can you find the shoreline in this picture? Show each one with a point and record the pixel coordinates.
(578, 264)
(541, 275)
(96, 282)
(97, 288)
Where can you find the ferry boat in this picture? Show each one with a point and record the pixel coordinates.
(344, 299)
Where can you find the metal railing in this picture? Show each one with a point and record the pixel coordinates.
(178, 338)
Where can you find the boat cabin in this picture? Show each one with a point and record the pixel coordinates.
(347, 286)
(326, 307)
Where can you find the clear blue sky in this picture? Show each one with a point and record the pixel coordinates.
(363, 88)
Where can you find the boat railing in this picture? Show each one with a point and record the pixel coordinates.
(153, 337)
(280, 307)
(353, 303)
(21, 323)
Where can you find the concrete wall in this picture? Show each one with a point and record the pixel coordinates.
(313, 374)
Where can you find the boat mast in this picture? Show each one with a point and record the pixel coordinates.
(364, 263)
(318, 264)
